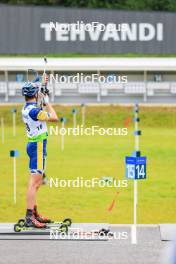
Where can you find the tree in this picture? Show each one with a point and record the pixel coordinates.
(156, 5)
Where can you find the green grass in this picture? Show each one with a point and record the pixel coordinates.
(94, 157)
(89, 55)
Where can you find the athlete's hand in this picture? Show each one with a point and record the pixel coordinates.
(46, 99)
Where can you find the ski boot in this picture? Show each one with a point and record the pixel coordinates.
(40, 218)
(33, 222)
(29, 224)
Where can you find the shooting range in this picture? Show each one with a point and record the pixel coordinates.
(88, 87)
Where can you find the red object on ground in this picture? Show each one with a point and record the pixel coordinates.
(112, 205)
(127, 122)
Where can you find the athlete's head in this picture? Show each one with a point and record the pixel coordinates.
(30, 91)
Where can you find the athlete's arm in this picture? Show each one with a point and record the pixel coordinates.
(49, 114)
(44, 115)
(52, 113)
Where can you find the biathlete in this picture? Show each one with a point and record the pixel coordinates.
(35, 119)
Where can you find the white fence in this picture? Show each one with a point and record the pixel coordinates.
(146, 89)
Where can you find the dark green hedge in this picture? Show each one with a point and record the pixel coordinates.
(156, 5)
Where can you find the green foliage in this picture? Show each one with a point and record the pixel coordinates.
(106, 116)
(155, 5)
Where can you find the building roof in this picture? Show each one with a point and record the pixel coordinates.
(89, 64)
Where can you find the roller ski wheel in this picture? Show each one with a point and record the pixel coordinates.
(21, 222)
(17, 228)
(67, 221)
(63, 229)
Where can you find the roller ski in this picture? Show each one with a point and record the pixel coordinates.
(30, 223)
(25, 229)
(33, 225)
(49, 222)
(66, 221)
(39, 221)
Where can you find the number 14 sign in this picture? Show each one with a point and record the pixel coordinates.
(136, 168)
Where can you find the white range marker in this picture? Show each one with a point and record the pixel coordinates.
(134, 226)
(74, 112)
(83, 115)
(63, 120)
(14, 180)
(14, 123)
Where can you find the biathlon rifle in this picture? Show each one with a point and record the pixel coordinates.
(44, 87)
